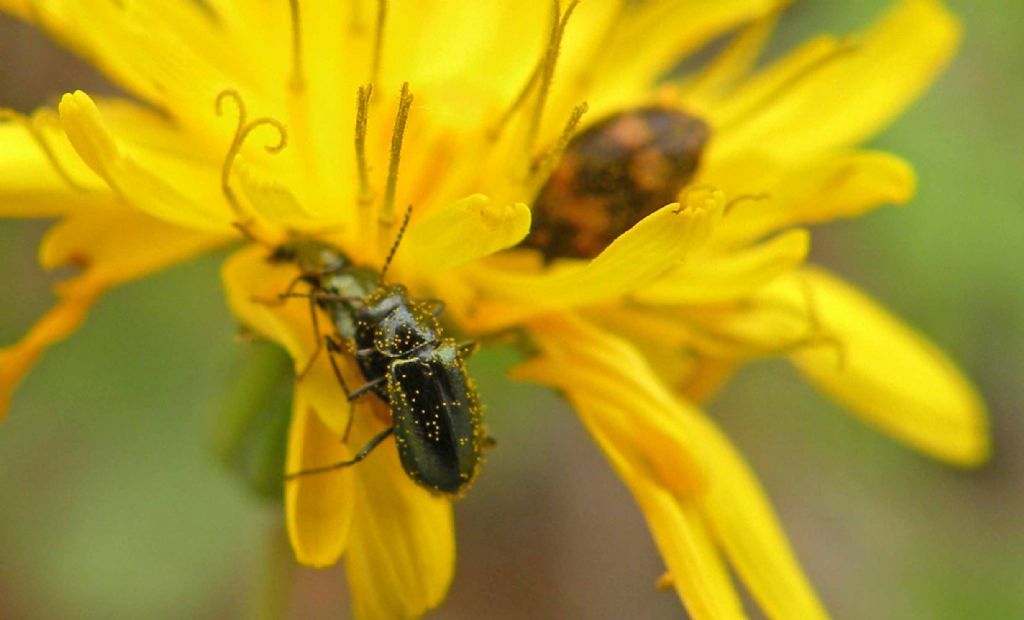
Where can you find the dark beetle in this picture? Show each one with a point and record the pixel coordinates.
(406, 360)
(613, 174)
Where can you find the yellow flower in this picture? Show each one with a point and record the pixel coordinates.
(292, 117)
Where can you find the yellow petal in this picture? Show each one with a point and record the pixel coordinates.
(122, 244)
(40, 174)
(318, 508)
(464, 231)
(635, 413)
(600, 372)
(707, 378)
(638, 256)
(76, 297)
(114, 246)
(851, 96)
(827, 187)
(173, 54)
(729, 66)
(490, 45)
(891, 376)
(629, 63)
(746, 527)
(20, 8)
(712, 278)
(401, 557)
(168, 187)
(270, 198)
(699, 574)
(253, 284)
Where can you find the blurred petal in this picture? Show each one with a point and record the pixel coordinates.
(707, 378)
(732, 64)
(632, 410)
(644, 252)
(113, 246)
(76, 297)
(318, 508)
(252, 284)
(463, 232)
(40, 174)
(600, 372)
(711, 278)
(745, 526)
(827, 187)
(401, 557)
(121, 244)
(889, 375)
(173, 54)
(849, 93)
(699, 574)
(628, 63)
(20, 8)
(168, 187)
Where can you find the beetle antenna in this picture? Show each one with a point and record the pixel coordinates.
(398, 240)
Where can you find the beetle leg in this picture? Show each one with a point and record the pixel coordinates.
(489, 442)
(363, 389)
(289, 289)
(362, 454)
(334, 348)
(468, 348)
(319, 341)
(320, 296)
(281, 297)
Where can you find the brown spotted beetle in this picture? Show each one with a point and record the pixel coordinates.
(612, 175)
(406, 359)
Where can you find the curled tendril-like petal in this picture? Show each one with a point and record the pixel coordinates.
(242, 131)
(266, 121)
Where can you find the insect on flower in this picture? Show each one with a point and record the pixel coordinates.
(406, 361)
(612, 175)
(666, 312)
(398, 345)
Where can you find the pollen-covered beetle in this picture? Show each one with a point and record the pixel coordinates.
(612, 175)
(406, 360)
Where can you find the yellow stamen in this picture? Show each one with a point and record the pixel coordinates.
(245, 222)
(544, 164)
(33, 125)
(547, 72)
(297, 81)
(544, 65)
(362, 103)
(386, 217)
(378, 44)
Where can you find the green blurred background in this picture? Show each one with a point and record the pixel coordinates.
(113, 506)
